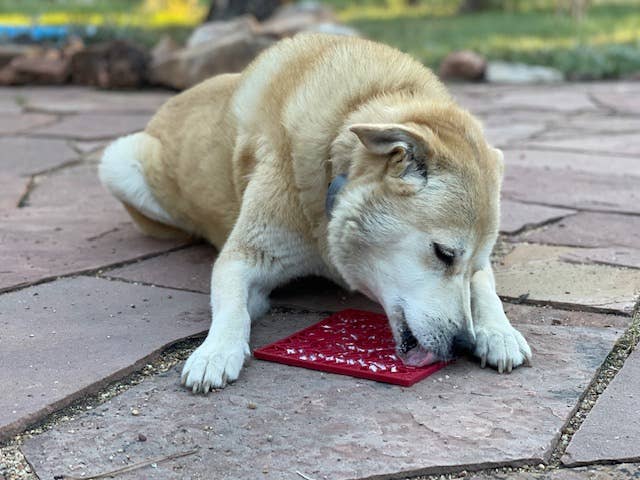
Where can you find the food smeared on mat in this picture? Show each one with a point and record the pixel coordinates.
(351, 342)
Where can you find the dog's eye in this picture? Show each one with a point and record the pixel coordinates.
(444, 254)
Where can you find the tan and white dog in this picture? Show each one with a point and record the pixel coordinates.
(332, 156)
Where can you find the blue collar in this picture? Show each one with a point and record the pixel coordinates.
(334, 189)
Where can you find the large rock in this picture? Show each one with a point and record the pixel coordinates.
(36, 66)
(225, 54)
(297, 17)
(214, 32)
(503, 72)
(463, 65)
(115, 64)
(10, 51)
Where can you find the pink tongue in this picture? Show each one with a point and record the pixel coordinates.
(418, 357)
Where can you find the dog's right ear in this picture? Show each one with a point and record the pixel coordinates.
(405, 147)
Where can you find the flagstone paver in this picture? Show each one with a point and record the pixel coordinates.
(42, 243)
(516, 216)
(616, 192)
(589, 229)
(610, 431)
(77, 185)
(78, 100)
(28, 156)
(76, 335)
(560, 162)
(624, 471)
(94, 126)
(626, 144)
(538, 273)
(577, 205)
(276, 420)
(12, 189)
(18, 123)
(190, 269)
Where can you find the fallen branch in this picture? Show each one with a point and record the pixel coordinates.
(129, 468)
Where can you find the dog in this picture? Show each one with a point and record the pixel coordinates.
(332, 156)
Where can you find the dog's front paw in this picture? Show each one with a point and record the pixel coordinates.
(501, 346)
(214, 364)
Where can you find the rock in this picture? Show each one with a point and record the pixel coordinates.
(463, 65)
(114, 64)
(297, 17)
(503, 72)
(191, 65)
(10, 51)
(165, 47)
(41, 67)
(213, 32)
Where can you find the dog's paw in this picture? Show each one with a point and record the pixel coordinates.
(501, 346)
(214, 364)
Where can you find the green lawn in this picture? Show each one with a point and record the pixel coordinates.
(604, 44)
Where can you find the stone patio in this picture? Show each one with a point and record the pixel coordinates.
(86, 302)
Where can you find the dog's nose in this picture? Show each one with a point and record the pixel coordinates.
(407, 340)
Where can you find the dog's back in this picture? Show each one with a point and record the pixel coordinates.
(199, 151)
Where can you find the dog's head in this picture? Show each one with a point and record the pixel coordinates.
(417, 217)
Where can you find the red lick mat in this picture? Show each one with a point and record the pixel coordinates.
(351, 342)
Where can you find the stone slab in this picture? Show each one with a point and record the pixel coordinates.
(68, 338)
(276, 420)
(624, 471)
(623, 143)
(546, 315)
(538, 273)
(567, 162)
(27, 156)
(12, 190)
(187, 269)
(516, 216)
(561, 99)
(573, 189)
(612, 428)
(17, 123)
(77, 185)
(619, 256)
(503, 135)
(85, 100)
(190, 269)
(94, 126)
(605, 238)
(624, 100)
(593, 123)
(590, 229)
(42, 243)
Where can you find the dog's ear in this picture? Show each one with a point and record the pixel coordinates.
(405, 147)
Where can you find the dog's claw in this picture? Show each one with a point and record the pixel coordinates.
(483, 362)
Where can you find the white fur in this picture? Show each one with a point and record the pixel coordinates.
(121, 172)
(497, 342)
(240, 286)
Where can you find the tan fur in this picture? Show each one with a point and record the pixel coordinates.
(244, 160)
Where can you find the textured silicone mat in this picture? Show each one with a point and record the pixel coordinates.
(351, 342)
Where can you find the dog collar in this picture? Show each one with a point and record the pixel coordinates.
(334, 189)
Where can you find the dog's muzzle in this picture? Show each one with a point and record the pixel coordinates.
(411, 352)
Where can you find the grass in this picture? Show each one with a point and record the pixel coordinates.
(605, 44)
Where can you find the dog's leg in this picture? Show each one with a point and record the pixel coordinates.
(497, 342)
(257, 257)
